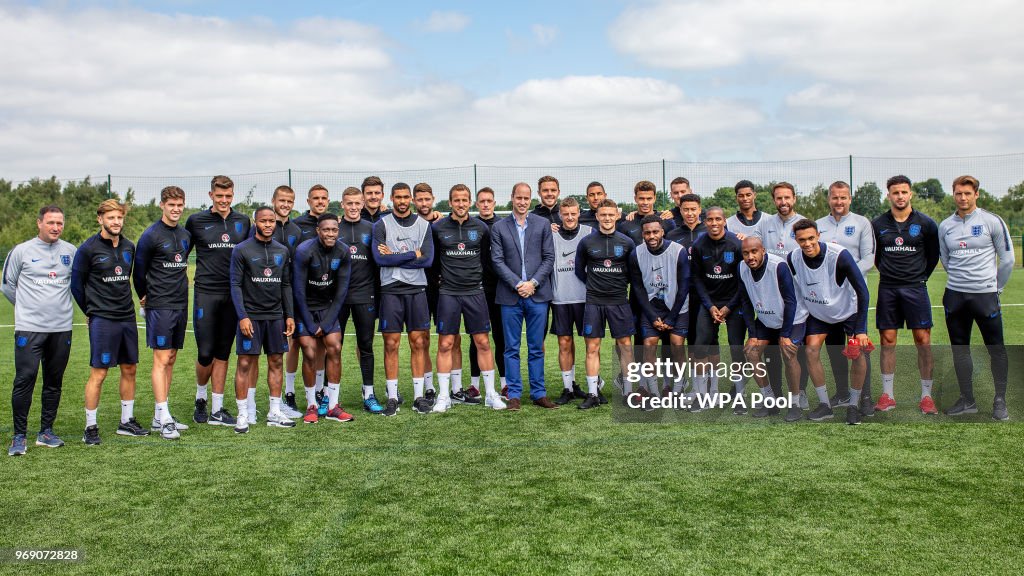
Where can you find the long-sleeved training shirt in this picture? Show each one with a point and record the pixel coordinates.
(738, 223)
(364, 278)
(461, 248)
(908, 251)
(213, 238)
(101, 278)
(714, 270)
(635, 230)
(777, 234)
(969, 247)
(261, 287)
(602, 263)
(160, 273)
(853, 232)
(660, 280)
(401, 272)
(37, 280)
(320, 280)
(550, 214)
(307, 226)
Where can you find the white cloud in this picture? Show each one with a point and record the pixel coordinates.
(544, 34)
(444, 22)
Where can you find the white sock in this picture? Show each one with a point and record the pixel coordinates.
(318, 384)
(275, 405)
(251, 398)
(700, 384)
(474, 382)
(90, 417)
(320, 379)
(591, 384)
(428, 381)
(243, 406)
(333, 388)
(741, 387)
(200, 391)
(456, 379)
(678, 386)
(887, 384)
(218, 403)
(164, 413)
(766, 392)
(127, 410)
(854, 397)
(488, 376)
(417, 387)
(310, 396)
(822, 392)
(713, 384)
(567, 379)
(156, 411)
(444, 383)
(926, 388)
(504, 384)
(367, 392)
(392, 386)
(289, 382)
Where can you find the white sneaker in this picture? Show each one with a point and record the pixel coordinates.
(253, 416)
(278, 420)
(289, 412)
(241, 423)
(442, 405)
(494, 401)
(169, 431)
(156, 425)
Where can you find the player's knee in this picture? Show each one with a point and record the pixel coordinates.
(129, 370)
(204, 361)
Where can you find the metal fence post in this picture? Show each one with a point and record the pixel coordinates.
(289, 177)
(110, 191)
(475, 186)
(851, 173)
(664, 179)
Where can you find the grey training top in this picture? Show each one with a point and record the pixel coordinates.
(968, 248)
(37, 280)
(777, 235)
(853, 232)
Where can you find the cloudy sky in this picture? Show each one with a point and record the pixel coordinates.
(188, 87)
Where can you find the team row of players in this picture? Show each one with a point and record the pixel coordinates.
(684, 266)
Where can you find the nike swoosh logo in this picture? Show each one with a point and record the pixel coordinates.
(104, 258)
(36, 259)
(882, 232)
(402, 239)
(207, 227)
(707, 257)
(447, 236)
(656, 269)
(256, 259)
(948, 232)
(813, 283)
(166, 245)
(564, 254)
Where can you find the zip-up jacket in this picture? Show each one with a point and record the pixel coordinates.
(160, 273)
(461, 249)
(602, 263)
(714, 268)
(37, 280)
(907, 251)
(101, 278)
(261, 287)
(320, 279)
(364, 278)
(213, 238)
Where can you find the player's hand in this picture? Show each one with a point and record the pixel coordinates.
(383, 249)
(723, 312)
(555, 228)
(419, 254)
(435, 215)
(863, 341)
(741, 236)
(289, 327)
(142, 302)
(661, 326)
(787, 345)
(245, 327)
(716, 315)
(319, 332)
(749, 346)
(667, 215)
(631, 216)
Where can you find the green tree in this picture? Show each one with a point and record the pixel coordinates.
(867, 201)
(930, 189)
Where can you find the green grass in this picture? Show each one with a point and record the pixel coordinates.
(474, 491)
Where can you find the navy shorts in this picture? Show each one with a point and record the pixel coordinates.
(165, 329)
(815, 326)
(903, 305)
(618, 316)
(762, 332)
(694, 313)
(267, 338)
(680, 328)
(112, 342)
(473, 308)
(565, 316)
(404, 313)
(214, 321)
(318, 316)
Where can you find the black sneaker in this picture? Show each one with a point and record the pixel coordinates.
(92, 435)
(822, 412)
(837, 401)
(566, 397)
(600, 397)
(422, 406)
(763, 412)
(400, 399)
(461, 397)
(999, 411)
(289, 401)
(591, 402)
(199, 416)
(867, 406)
(794, 414)
(852, 415)
(739, 409)
(222, 418)
(131, 428)
(962, 407)
(391, 408)
(430, 396)
(577, 392)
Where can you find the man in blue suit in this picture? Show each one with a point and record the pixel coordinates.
(524, 257)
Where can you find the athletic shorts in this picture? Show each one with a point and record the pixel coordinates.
(403, 313)
(165, 329)
(112, 342)
(680, 328)
(693, 314)
(565, 316)
(214, 322)
(815, 326)
(472, 308)
(619, 318)
(318, 315)
(762, 332)
(899, 305)
(267, 338)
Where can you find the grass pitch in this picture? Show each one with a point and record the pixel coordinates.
(474, 491)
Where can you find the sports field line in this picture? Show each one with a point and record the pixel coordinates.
(143, 326)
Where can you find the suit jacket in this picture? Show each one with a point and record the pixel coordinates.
(508, 257)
